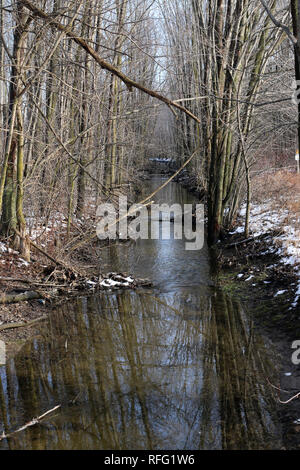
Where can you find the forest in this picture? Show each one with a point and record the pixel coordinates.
(130, 343)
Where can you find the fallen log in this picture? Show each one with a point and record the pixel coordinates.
(247, 240)
(13, 298)
(9, 326)
(117, 281)
(32, 282)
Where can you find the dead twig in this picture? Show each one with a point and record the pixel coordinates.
(294, 397)
(33, 422)
(38, 248)
(290, 399)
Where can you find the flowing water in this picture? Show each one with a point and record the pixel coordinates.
(177, 366)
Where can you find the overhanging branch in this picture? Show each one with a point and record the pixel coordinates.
(279, 24)
(103, 64)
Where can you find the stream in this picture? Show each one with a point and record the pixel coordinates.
(177, 366)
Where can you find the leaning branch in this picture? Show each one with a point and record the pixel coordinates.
(279, 24)
(103, 64)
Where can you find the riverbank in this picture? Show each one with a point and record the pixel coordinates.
(267, 264)
(268, 287)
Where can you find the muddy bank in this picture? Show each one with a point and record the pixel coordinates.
(253, 271)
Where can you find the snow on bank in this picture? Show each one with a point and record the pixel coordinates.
(266, 218)
(46, 229)
(37, 227)
(4, 248)
(16, 259)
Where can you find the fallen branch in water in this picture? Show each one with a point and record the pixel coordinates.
(33, 422)
(290, 399)
(115, 281)
(110, 281)
(294, 397)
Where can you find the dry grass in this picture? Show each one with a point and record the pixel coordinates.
(281, 189)
(280, 186)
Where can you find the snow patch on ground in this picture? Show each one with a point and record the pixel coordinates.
(280, 292)
(16, 259)
(4, 248)
(38, 227)
(264, 218)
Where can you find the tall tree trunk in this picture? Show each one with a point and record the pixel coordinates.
(295, 10)
(12, 172)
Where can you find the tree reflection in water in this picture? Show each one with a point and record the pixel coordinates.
(143, 371)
